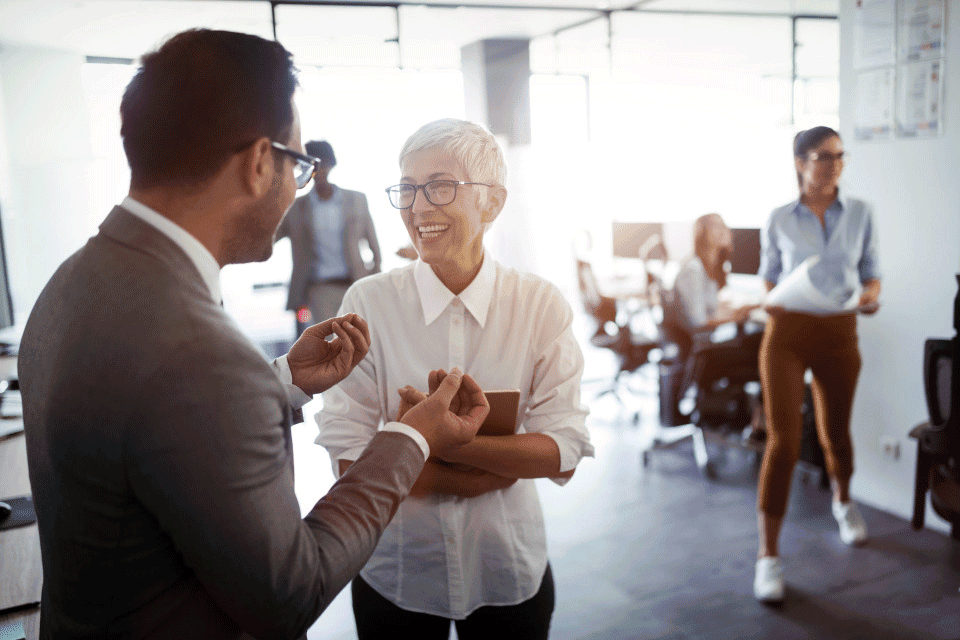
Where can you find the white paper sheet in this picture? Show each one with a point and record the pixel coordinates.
(796, 292)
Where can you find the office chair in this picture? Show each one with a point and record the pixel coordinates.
(938, 441)
(632, 350)
(707, 390)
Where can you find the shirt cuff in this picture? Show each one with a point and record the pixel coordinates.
(295, 395)
(413, 433)
(571, 452)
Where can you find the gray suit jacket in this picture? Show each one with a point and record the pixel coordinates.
(158, 442)
(298, 226)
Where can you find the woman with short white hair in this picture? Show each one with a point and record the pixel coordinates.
(469, 544)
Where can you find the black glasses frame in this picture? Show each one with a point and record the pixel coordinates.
(395, 191)
(817, 156)
(306, 165)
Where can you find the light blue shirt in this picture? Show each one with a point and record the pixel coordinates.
(328, 225)
(846, 244)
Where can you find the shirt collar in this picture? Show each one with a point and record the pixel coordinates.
(435, 297)
(836, 206)
(201, 258)
(315, 197)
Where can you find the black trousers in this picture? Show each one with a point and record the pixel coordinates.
(378, 618)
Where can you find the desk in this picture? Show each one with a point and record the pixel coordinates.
(21, 572)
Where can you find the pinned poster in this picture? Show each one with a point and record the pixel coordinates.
(920, 99)
(874, 29)
(874, 115)
(920, 30)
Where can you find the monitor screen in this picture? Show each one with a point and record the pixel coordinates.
(628, 237)
(745, 256)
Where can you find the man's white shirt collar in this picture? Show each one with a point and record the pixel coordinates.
(201, 258)
(435, 297)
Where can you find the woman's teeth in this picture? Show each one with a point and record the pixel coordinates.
(428, 232)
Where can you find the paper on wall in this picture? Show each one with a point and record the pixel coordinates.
(796, 292)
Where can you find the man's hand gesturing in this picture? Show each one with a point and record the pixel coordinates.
(450, 415)
(317, 364)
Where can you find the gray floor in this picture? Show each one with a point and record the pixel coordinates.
(662, 553)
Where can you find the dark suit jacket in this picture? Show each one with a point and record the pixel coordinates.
(158, 441)
(298, 226)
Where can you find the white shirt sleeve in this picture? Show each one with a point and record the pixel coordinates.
(554, 408)
(295, 395)
(399, 427)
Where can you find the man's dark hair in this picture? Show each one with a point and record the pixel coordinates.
(323, 150)
(200, 98)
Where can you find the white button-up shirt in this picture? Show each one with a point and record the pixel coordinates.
(445, 555)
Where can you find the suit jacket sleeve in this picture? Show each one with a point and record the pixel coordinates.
(211, 461)
(370, 232)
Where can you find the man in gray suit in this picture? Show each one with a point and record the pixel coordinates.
(326, 227)
(158, 437)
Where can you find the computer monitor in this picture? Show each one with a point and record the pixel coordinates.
(745, 256)
(628, 237)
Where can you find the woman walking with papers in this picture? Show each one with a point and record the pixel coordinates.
(819, 261)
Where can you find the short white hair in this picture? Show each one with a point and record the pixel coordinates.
(472, 145)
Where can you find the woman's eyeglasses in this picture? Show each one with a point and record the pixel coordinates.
(437, 192)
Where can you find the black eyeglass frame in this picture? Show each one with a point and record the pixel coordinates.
(824, 156)
(395, 189)
(302, 161)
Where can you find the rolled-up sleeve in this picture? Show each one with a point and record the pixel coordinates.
(554, 408)
(351, 410)
(771, 262)
(869, 263)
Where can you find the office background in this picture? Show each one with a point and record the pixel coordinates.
(663, 113)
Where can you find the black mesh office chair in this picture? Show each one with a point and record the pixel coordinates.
(707, 390)
(938, 441)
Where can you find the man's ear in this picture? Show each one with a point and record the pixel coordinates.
(495, 202)
(257, 168)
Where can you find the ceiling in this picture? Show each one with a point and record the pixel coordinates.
(127, 28)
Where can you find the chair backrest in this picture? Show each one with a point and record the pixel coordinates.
(600, 307)
(941, 381)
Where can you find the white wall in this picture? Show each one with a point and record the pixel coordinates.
(46, 173)
(913, 185)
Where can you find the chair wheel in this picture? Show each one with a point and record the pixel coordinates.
(709, 471)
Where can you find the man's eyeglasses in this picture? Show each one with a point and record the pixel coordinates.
(824, 157)
(437, 192)
(303, 165)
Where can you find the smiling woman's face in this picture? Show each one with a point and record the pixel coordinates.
(821, 169)
(449, 237)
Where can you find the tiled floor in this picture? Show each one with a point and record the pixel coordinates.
(663, 553)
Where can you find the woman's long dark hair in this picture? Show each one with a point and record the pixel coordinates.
(810, 139)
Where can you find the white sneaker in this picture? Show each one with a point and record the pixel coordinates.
(768, 582)
(853, 528)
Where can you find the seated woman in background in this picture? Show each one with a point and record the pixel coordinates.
(698, 310)
(703, 275)
(468, 545)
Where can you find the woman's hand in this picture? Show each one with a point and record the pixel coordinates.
(869, 301)
(450, 415)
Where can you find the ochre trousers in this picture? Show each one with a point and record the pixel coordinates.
(793, 343)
